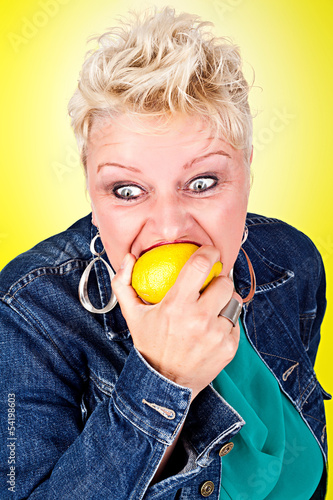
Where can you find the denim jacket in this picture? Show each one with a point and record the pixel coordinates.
(89, 418)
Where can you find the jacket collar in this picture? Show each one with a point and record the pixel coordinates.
(114, 322)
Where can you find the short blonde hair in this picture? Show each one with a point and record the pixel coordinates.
(159, 64)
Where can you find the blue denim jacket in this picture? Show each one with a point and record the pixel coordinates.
(88, 419)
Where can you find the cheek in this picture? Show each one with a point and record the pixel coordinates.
(115, 244)
(226, 228)
(117, 232)
(228, 214)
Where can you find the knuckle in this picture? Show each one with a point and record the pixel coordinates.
(201, 263)
(198, 327)
(115, 281)
(203, 317)
(230, 350)
(228, 284)
(171, 308)
(212, 251)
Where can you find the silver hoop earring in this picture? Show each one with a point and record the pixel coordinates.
(245, 235)
(83, 285)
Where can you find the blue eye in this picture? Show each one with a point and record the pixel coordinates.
(127, 192)
(202, 184)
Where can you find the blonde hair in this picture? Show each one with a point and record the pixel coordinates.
(159, 64)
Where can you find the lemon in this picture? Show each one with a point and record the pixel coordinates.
(156, 271)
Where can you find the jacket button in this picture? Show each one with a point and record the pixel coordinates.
(226, 448)
(207, 489)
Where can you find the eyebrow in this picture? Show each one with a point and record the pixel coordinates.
(185, 167)
(220, 152)
(113, 164)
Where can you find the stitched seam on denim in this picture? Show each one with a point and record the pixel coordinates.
(113, 335)
(41, 328)
(217, 441)
(255, 329)
(297, 369)
(96, 378)
(269, 264)
(100, 383)
(307, 415)
(191, 474)
(263, 220)
(142, 428)
(311, 381)
(267, 287)
(230, 407)
(282, 273)
(103, 283)
(134, 492)
(109, 334)
(45, 273)
(299, 381)
(240, 422)
(284, 276)
(139, 418)
(279, 281)
(280, 357)
(220, 482)
(159, 375)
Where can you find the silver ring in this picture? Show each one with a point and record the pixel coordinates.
(232, 311)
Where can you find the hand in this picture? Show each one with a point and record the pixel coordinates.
(183, 337)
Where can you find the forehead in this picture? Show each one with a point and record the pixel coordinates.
(128, 134)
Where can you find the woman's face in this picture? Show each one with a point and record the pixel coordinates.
(179, 185)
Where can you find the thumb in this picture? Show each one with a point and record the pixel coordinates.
(121, 285)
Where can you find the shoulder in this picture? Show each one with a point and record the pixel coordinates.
(275, 229)
(56, 255)
(284, 245)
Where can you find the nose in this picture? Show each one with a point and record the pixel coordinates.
(170, 220)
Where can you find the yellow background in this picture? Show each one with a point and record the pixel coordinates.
(289, 45)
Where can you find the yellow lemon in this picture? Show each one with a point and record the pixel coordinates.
(156, 271)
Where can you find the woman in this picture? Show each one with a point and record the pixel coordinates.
(111, 397)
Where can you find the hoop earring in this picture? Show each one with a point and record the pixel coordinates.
(245, 235)
(251, 270)
(83, 285)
